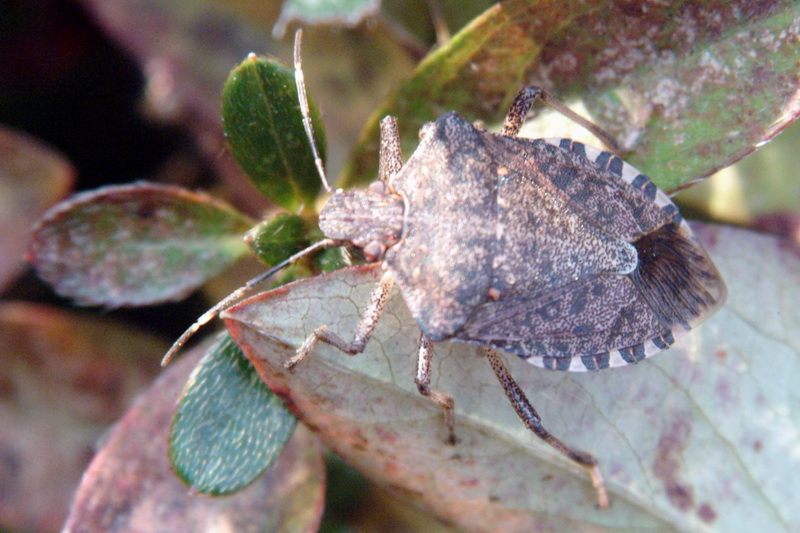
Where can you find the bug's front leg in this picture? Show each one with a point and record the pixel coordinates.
(531, 419)
(423, 381)
(363, 332)
(391, 155)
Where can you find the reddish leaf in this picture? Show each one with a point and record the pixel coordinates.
(32, 178)
(64, 379)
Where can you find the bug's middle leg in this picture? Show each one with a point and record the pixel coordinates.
(380, 296)
(423, 381)
(532, 421)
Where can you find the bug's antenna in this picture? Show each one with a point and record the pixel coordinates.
(241, 291)
(305, 110)
(238, 293)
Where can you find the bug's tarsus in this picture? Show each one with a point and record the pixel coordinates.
(306, 110)
(238, 293)
(532, 421)
(423, 381)
(380, 296)
(525, 99)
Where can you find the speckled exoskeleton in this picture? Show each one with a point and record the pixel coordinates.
(557, 252)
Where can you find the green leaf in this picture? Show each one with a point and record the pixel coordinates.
(229, 427)
(264, 127)
(343, 12)
(757, 189)
(129, 485)
(278, 238)
(683, 438)
(678, 91)
(333, 259)
(138, 244)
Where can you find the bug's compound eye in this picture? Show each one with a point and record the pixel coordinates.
(378, 187)
(373, 251)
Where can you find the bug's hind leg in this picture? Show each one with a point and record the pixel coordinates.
(380, 296)
(531, 419)
(423, 381)
(525, 99)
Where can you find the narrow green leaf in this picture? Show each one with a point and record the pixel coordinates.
(263, 124)
(678, 91)
(229, 427)
(136, 244)
(278, 238)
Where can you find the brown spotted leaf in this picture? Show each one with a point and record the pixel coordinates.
(129, 485)
(32, 178)
(683, 439)
(138, 244)
(687, 88)
(64, 380)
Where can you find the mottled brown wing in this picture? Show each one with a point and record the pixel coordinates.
(596, 185)
(586, 320)
(589, 316)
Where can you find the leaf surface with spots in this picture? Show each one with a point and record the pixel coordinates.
(675, 85)
(140, 244)
(683, 438)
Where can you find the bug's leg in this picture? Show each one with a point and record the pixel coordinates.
(363, 332)
(229, 300)
(391, 156)
(423, 381)
(525, 99)
(531, 419)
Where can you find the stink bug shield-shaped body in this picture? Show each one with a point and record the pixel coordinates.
(549, 249)
(558, 252)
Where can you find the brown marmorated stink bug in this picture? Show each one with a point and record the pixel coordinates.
(557, 252)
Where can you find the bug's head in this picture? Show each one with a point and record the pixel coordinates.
(371, 219)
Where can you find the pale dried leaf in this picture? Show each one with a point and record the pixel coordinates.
(683, 439)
